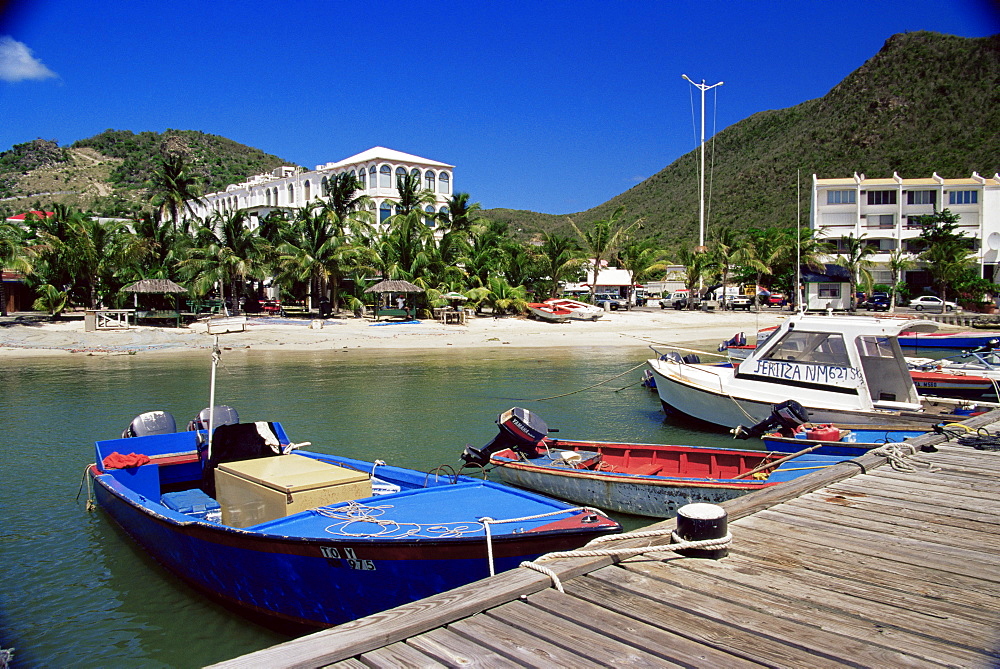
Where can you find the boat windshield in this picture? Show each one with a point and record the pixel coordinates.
(885, 370)
(825, 348)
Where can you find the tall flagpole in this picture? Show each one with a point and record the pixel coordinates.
(701, 185)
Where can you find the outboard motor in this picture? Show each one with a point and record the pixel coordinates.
(149, 423)
(224, 415)
(785, 417)
(520, 430)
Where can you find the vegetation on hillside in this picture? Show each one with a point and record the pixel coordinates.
(215, 160)
(111, 173)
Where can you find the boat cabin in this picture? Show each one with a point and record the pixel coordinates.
(847, 355)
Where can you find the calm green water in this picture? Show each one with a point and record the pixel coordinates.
(75, 593)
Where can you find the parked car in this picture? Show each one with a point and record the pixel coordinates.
(676, 300)
(877, 302)
(776, 300)
(613, 301)
(931, 302)
(739, 302)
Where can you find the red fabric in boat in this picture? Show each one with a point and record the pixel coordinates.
(118, 461)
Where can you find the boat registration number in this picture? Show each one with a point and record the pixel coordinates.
(348, 557)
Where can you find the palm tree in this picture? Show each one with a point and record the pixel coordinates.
(173, 187)
(404, 243)
(603, 239)
(899, 262)
(321, 254)
(560, 256)
(642, 260)
(504, 298)
(695, 262)
(856, 259)
(50, 299)
(227, 252)
(947, 261)
(13, 256)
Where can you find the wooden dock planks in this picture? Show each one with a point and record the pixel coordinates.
(864, 566)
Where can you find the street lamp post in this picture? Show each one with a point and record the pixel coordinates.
(701, 185)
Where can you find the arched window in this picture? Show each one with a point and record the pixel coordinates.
(267, 197)
(444, 184)
(385, 177)
(363, 178)
(429, 218)
(307, 192)
(291, 193)
(400, 174)
(371, 177)
(324, 187)
(384, 212)
(415, 173)
(429, 180)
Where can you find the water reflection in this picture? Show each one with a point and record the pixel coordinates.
(76, 591)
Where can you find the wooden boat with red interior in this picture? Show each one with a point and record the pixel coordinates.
(640, 479)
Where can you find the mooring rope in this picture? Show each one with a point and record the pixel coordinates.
(680, 544)
(487, 521)
(573, 392)
(90, 490)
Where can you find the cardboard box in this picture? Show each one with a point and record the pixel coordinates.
(257, 491)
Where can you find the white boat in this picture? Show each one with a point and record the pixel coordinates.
(547, 312)
(842, 369)
(578, 311)
(982, 362)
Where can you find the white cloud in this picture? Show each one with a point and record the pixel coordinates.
(17, 63)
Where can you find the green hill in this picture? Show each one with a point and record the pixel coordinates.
(107, 173)
(924, 103)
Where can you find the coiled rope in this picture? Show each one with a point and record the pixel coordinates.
(677, 545)
(982, 440)
(903, 457)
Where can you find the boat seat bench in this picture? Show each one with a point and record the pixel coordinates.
(647, 470)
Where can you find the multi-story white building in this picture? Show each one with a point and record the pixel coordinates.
(376, 170)
(883, 211)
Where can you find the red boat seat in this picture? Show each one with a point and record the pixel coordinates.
(646, 470)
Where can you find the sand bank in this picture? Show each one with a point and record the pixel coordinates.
(637, 328)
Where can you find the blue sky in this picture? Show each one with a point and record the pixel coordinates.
(549, 106)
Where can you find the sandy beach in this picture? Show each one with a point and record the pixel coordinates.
(636, 328)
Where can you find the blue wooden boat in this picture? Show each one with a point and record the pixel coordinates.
(787, 430)
(639, 479)
(852, 442)
(301, 540)
(956, 340)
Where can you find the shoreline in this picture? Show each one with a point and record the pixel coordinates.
(623, 329)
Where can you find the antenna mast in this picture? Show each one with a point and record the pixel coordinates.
(701, 185)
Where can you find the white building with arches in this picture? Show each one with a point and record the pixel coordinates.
(376, 169)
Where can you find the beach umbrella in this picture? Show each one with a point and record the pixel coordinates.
(454, 297)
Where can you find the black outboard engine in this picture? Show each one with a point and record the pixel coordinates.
(520, 430)
(151, 422)
(785, 417)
